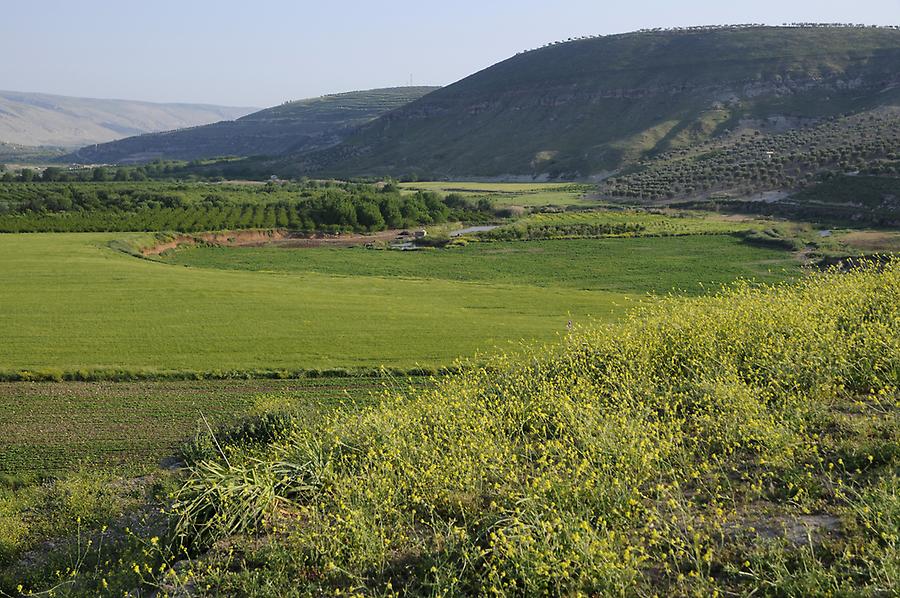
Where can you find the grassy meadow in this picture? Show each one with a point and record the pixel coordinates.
(633, 266)
(69, 302)
(72, 303)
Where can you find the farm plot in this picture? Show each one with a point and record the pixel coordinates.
(70, 303)
(633, 266)
(51, 427)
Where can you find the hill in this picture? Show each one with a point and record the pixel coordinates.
(302, 125)
(36, 119)
(14, 152)
(587, 107)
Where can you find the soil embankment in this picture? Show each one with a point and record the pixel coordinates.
(275, 237)
(226, 238)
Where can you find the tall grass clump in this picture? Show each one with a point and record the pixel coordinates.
(655, 455)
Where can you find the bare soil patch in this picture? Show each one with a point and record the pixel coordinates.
(249, 238)
(273, 237)
(871, 240)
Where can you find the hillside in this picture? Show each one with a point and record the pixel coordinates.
(14, 152)
(294, 126)
(842, 169)
(36, 119)
(589, 106)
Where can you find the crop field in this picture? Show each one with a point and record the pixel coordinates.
(703, 446)
(634, 266)
(476, 187)
(69, 303)
(621, 223)
(716, 445)
(50, 427)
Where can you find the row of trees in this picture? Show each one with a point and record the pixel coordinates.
(756, 162)
(156, 170)
(726, 27)
(332, 208)
(56, 174)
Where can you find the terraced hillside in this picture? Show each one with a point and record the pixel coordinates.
(589, 106)
(844, 169)
(302, 125)
(750, 161)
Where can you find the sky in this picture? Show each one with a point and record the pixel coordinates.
(265, 52)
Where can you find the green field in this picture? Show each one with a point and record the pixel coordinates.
(690, 264)
(75, 306)
(477, 187)
(76, 456)
(51, 427)
(69, 302)
(621, 223)
(704, 447)
(72, 303)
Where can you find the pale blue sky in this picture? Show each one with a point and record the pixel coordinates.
(263, 52)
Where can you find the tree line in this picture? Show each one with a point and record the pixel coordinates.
(318, 207)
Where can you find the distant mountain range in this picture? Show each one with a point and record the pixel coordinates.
(37, 119)
(293, 127)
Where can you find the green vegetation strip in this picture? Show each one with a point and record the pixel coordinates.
(190, 207)
(504, 195)
(619, 223)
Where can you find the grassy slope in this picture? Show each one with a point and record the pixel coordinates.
(302, 124)
(69, 302)
(737, 445)
(628, 266)
(587, 106)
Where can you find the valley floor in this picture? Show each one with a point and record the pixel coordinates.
(71, 303)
